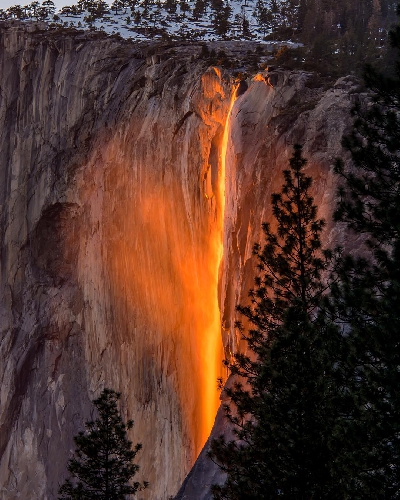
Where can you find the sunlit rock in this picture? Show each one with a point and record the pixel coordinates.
(114, 215)
(265, 123)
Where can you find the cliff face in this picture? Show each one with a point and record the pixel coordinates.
(275, 113)
(110, 238)
(108, 267)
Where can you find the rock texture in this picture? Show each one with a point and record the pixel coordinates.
(108, 271)
(278, 110)
(110, 240)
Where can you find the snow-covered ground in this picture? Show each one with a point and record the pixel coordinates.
(149, 20)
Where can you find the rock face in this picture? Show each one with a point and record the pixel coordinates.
(277, 111)
(111, 236)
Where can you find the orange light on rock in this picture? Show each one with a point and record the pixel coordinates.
(222, 173)
(212, 351)
(164, 252)
(259, 77)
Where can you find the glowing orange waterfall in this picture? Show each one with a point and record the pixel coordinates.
(222, 172)
(212, 348)
(165, 275)
(212, 354)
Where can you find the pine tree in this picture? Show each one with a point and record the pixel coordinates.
(264, 16)
(116, 6)
(103, 467)
(49, 7)
(137, 18)
(246, 33)
(368, 294)
(199, 9)
(184, 8)
(221, 14)
(171, 6)
(286, 401)
(15, 11)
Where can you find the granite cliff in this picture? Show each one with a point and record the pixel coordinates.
(114, 217)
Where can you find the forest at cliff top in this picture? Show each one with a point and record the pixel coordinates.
(334, 37)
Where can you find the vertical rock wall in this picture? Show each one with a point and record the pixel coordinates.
(278, 110)
(108, 261)
(110, 233)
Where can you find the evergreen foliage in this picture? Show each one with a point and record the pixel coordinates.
(264, 16)
(368, 294)
(286, 400)
(103, 467)
(184, 7)
(171, 6)
(221, 14)
(199, 8)
(338, 36)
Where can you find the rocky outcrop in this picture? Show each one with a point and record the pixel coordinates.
(110, 235)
